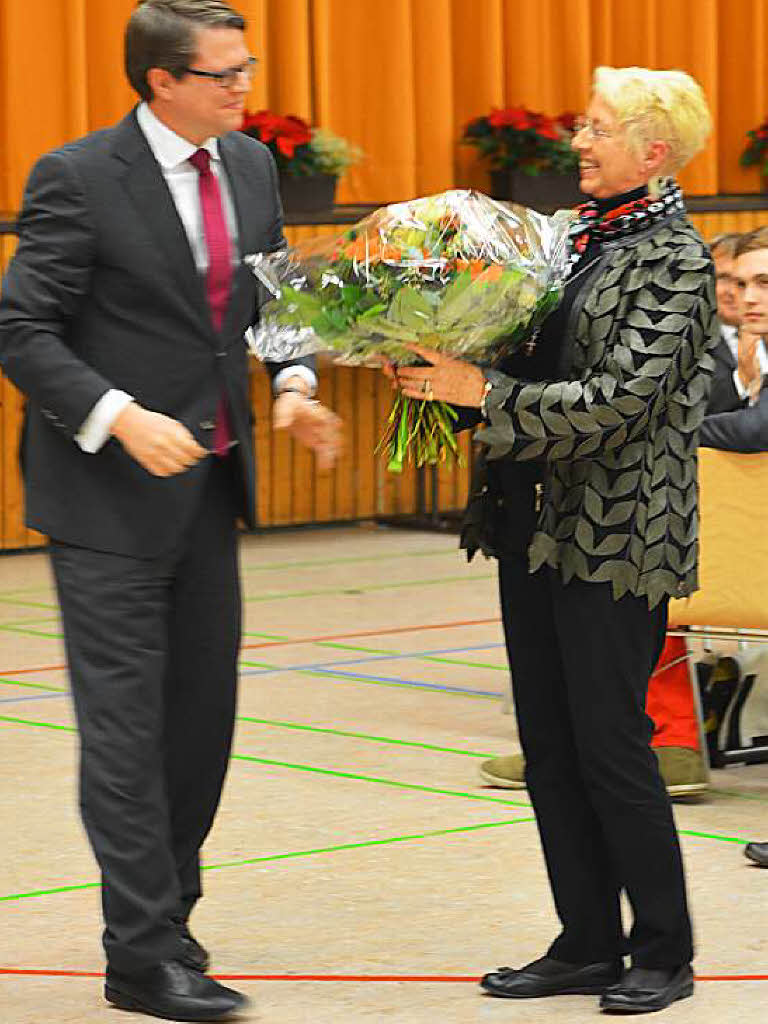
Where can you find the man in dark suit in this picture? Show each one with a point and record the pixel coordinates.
(740, 357)
(744, 428)
(122, 320)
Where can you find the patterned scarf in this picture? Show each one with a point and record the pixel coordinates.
(622, 221)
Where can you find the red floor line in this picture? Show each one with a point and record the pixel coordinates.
(370, 632)
(456, 978)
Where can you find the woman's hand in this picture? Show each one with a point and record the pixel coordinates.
(444, 380)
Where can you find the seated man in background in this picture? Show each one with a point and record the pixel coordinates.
(746, 429)
(740, 359)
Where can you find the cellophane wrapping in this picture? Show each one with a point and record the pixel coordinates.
(457, 272)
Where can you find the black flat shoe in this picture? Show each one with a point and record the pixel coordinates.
(758, 852)
(174, 992)
(192, 953)
(548, 977)
(644, 991)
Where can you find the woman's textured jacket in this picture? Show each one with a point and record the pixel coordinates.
(618, 430)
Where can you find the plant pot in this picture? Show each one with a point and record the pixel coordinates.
(309, 194)
(544, 192)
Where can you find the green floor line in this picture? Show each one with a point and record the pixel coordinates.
(395, 654)
(31, 622)
(370, 778)
(32, 632)
(359, 736)
(370, 842)
(39, 725)
(352, 560)
(35, 686)
(379, 781)
(289, 856)
(357, 590)
(28, 604)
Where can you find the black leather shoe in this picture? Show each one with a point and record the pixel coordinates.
(548, 977)
(192, 953)
(758, 852)
(174, 992)
(642, 990)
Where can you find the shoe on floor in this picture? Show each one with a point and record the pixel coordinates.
(758, 852)
(504, 772)
(172, 991)
(548, 977)
(683, 770)
(641, 990)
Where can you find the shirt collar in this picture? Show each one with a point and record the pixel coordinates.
(168, 148)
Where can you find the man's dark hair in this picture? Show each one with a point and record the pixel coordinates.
(163, 34)
(725, 244)
(752, 241)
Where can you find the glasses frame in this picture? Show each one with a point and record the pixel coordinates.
(586, 124)
(227, 78)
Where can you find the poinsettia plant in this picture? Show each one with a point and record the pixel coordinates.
(756, 151)
(299, 149)
(519, 139)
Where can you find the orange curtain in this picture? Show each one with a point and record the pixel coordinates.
(399, 78)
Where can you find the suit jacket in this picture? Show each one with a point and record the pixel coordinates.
(618, 431)
(724, 397)
(743, 430)
(103, 293)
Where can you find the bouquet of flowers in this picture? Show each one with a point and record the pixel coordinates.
(457, 272)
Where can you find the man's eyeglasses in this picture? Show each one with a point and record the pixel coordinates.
(227, 78)
(586, 124)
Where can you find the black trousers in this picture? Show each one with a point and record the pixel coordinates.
(580, 665)
(152, 648)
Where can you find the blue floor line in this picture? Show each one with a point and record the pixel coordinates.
(332, 668)
(42, 696)
(391, 680)
(371, 658)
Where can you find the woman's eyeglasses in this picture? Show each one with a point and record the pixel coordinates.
(586, 124)
(227, 78)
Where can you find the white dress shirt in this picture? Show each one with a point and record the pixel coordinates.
(172, 153)
(731, 337)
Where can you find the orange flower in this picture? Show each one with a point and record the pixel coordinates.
(392, 253)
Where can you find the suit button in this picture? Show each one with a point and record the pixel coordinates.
(207, 424)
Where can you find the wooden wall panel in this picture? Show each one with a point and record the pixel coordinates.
(290, 488)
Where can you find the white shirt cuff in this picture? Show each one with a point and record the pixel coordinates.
(741, 391)
(95, 430)
(296, 371)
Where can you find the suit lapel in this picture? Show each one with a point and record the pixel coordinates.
(144, 182)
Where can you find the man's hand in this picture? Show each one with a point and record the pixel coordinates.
(310, 423)
(162, 445)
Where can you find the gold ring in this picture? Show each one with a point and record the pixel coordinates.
(427, 389)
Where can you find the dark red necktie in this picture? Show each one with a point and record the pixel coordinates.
(218, 280)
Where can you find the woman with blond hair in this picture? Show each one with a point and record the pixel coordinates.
(589, 466)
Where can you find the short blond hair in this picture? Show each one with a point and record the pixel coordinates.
(657, 105)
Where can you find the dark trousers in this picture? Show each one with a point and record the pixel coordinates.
(152, 647)
(580, 665)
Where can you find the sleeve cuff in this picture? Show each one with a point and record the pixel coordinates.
(95, 429)
(295, 371)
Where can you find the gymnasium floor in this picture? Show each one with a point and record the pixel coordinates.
(357, 871)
